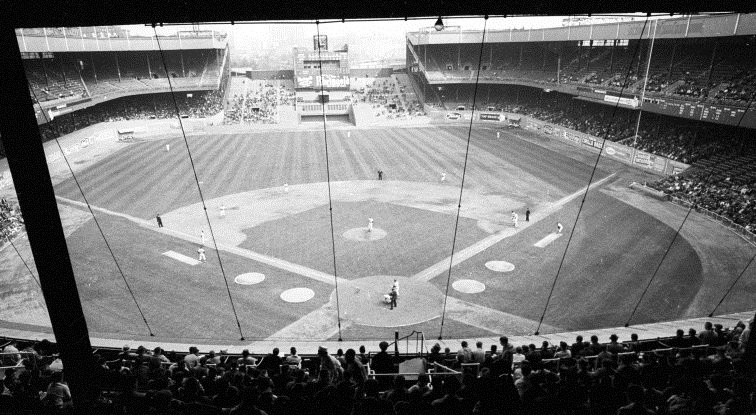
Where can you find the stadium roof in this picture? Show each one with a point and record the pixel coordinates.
(103, 12)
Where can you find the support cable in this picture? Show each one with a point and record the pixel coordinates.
(328, 180)
(196, 180)
(669, 248)
(25, 263)
(692, 206)
(732, 286)
(590, 180)
(94, 217)
(464, 171)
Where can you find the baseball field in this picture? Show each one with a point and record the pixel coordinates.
(283, 216)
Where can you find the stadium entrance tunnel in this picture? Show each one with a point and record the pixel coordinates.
(342, 119)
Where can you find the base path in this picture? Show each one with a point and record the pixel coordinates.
(467, 253)
(548, 239)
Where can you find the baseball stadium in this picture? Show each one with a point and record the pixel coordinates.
(500, 186)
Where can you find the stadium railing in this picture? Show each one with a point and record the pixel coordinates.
(737, 228)
(419, 338)
(7, 358)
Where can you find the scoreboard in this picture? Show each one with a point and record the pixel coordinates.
(321, 69)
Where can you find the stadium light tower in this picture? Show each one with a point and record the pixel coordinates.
(439, 26)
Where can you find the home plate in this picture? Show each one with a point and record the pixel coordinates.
(547, 240)
(180, 257)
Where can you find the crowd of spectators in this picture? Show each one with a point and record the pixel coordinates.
(740, 88)
(10, 220)
(711, 372)
(388, 97)
(257, 103)
(673, 138)
(734, 199)
(138, 107)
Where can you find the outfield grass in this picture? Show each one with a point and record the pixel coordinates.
(615, 250)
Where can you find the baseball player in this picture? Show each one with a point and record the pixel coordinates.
(443, 176)
(396, 287)
(159, 221)
(167, 147)
(202, 237)
(223, 211)
(498, 134)
(201, 252)
(514, 218)
(559, 227)
(370, 224)
(349, 134)
(286, 187)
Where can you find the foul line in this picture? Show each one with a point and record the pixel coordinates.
(442, 266)
(268, 260)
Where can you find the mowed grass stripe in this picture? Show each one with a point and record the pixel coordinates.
(343, 161)
(436, 161)
(425, 170)
(421, 169)
(483, 170)
(221, 165)
(486, 170)
(548, 165)
(168, 184)
(295, 160)
(241, 180)
(315, 159)
(365, 168)
(103, 173)
(439, 150)
(135, 181)
(282, 174)
(124, 172)
(363, 143)
(389, 161)
(455, 153)
(171, 175)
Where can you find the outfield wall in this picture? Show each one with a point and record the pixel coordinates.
(628, 155)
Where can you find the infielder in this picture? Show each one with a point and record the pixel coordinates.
(223, 211)
(514, 218)
(370, 224)
(443, 177)
(559, 227)
(167, 147)
(201, 252)
(286, 187)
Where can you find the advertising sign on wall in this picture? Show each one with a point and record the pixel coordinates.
(490, 116)
(614, 150)
(630, 102)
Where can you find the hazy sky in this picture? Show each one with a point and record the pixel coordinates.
(366, 39)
